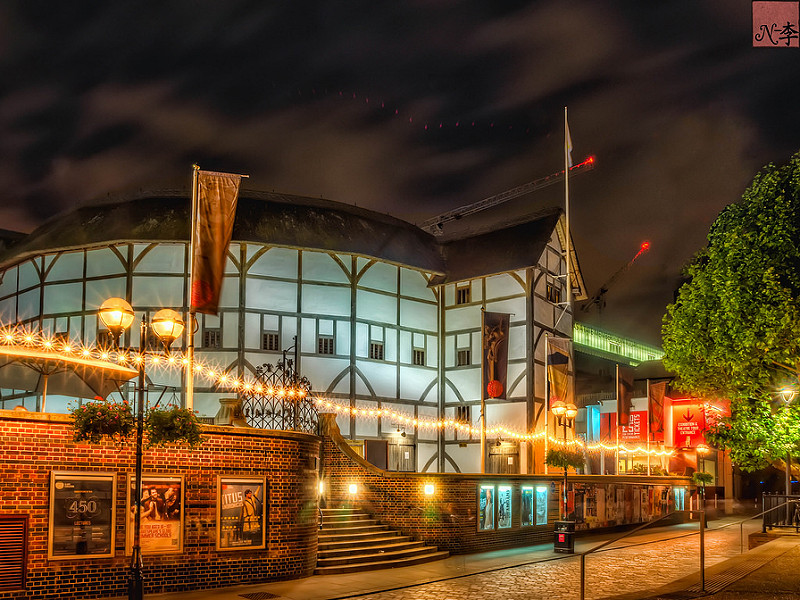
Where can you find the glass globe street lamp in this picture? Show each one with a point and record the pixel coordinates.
(117, 315)
(565, 416)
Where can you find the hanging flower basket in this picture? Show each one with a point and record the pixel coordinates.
(564, 458)
(99, 419)
(171, 426)
(702, 478)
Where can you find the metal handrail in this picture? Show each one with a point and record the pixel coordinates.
(643, 526)
(743, 521)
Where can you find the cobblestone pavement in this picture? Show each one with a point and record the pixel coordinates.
(635, 567)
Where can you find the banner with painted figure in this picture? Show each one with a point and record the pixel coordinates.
(495, 354)
(624, 394)
(558, 370)
(655, 403)
(161, 530)
(241, 513)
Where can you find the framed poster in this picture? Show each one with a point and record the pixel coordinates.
(486, 495)
(526, 512)
(241, 513)
(503, 507)
(541, 505)
(162, 514)
(82, 513)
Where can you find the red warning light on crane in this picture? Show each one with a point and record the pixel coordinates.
(642, 249)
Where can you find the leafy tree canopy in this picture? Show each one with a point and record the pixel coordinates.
(734, 329)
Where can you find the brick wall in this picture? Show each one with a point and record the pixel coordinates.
(34, 444)
(448, 518)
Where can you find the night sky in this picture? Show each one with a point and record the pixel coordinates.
(409, 108)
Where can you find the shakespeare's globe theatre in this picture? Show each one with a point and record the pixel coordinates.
(385, 314)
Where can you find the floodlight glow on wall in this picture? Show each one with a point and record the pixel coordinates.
(321, 487)
(353, 489)
(429, 489)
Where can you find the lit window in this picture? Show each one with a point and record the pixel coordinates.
(325, 345)
(553, 292)
(211, 338)
(463, 358)
(615, 347)
(270, 341)
(419, 357)
(376, 350)
(463, 414)
(462, 294)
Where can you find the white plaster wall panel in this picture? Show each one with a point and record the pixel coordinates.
(500, 286)
(158, 291)
(230, 267)
(376, 307)
(476, 293)
(538, 349)
(565, 325)
(540, 285)
(515, 307)
(380, 276)
(463, 317)
(104, 261)
(366, 426)
(276, 262)
(417, 315)
(477, 349)
(308, 341)
(321, 371)
(432, 352)
(210, 320)
(65, 266)
(361, 388)
(467, 459)
(288, 331)
(28, 305)
(325, 326)
(449, 350)
(89, 334)
(426, 452)
(28, 275)
(342, 338)
(63, 297)
(362, 340)
(381, 376)
(229, 293)
(449, 294)
(414, 284)
(326, 300)
(404, 351)
(414, 381)
(230, 330)
(538, 380)
(100, 290)
(506, 414)
(467, 381)
(270, 323)
(390, 345)
(427, 413)
(206, 404)
(516, 341)
(164, 258)
(343, 421)
(518, 389)
(543, 312)
(342, 388)
(266, 294)
(432, 397)
(8, 308)
(8, 282)
(318, 266)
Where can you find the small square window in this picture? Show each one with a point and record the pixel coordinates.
(463, 358)
(270, 341)
(462, 294)
(211, 338)
(463, 414)
(325, 345)
(553, 292)
(419, 357)
(376, 350)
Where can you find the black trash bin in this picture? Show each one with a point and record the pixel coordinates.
(564, 537)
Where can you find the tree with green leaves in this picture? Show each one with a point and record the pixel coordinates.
(734, 329)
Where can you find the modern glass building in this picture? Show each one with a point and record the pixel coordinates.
(385, 315)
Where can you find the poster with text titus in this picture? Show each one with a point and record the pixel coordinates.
(241, 513)
(161, 530)
(82, 514)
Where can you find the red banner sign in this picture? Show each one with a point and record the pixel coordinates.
(636, 429)
(689, 424)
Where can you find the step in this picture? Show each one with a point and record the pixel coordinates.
(389, 538)
(341, 534)
(387, 564)
(340, 524)
(387, 548)
(371, 556)
(349, 516)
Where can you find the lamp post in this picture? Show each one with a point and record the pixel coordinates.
(565, 417)
(702, 450)
(788, 394)
(117, 315)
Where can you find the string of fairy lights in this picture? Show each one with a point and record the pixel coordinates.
(16, 336)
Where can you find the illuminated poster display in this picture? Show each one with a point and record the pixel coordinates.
(241, 522)
(486, 496)
(504, 507)
(526, 511)
(162, 514)
(82, 514)
(541, 505)
(689, 422)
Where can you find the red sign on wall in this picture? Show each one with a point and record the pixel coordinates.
(636, 430)
(689, 424)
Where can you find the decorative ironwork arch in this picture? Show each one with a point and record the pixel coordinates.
(280, 399)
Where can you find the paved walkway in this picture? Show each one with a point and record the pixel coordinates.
(661, 563)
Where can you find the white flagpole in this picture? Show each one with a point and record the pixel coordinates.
(190, 325)
(546, 397)
(566, 211)
(616, 430)
(483, 393)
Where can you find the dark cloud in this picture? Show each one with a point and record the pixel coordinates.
(411, 108)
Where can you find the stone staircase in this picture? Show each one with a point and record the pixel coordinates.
(351, 541)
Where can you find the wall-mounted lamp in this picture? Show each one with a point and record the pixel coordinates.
(429, 489)
(353, 489)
